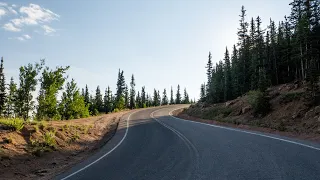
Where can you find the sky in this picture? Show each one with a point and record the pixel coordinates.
(162, 42)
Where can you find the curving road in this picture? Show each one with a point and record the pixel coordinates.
(159, 146)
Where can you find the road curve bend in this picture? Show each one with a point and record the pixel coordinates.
(151, 144)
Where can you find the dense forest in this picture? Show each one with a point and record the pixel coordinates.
(17, 101)
(284, 52)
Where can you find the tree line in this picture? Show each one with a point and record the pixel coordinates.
(282, 53)
(17, 101)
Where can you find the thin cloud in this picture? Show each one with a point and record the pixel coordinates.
(26, 36)
(18, 38)
(48, 30)
(3, 4)
(5, 9)
(12, 10)
(11, 27)
(2, 12)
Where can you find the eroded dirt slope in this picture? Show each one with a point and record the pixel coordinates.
(30, 155)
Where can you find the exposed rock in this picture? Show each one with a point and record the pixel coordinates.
(246, 109)
(228, 103)
(289, 87)
(317, 110)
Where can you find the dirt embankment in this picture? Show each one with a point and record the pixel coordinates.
(291, 113)
(41, 150)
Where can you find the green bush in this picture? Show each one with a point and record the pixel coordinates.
(116, 110)
(212, 113)
(49, 139)
(15, 124)
(258, 102)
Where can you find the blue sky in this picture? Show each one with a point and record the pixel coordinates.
(162, 42)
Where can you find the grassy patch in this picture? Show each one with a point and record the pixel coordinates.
(46, 143)
(49, 139)
(14, 124)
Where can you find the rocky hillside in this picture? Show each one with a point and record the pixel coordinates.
(291, 109)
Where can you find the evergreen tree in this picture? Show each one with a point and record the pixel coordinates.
(2, 88)
(164, 97)
(119, 100)
(202, 92)
(138, 101)
(186, 99)
(209, 71)
(11, 99)
(235, 72)
(108, 100)
(244, 62)
(143, 97)
(159, 98)
(98, 100)
(171, 97)
(126, 97)
(178, 95)
(132, 93)
(228, 81)
(87, 96)
(155, 98)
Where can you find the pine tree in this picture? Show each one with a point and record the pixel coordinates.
(209, 71)
(228, 81)
(155, 98)
(98, 100)
(119, 99)
(171, 97)
(164, 97)
(235, 73)
(11, 99)
(202, 93)
(138, 101)
(143, 97)
(2, 89)
(186, 99)
(132, 93)
(87, 96)
(159, 98)
(126, 97)
(244, 63)
(108, 100)
(178, 95)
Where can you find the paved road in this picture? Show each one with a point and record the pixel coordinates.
(164, 147)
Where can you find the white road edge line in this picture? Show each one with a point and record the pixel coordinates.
(124, 137)
(247, 132)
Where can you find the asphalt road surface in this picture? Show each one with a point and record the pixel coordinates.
(159, 146)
